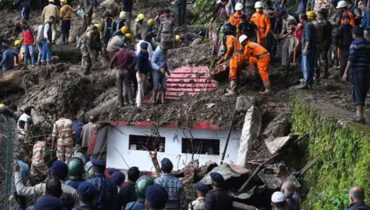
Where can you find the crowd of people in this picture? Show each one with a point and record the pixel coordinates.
(334, 36)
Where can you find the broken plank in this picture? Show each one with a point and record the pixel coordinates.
(309, 165)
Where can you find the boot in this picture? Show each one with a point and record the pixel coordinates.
(267, 90)
(152, 99)
(231, 90)
(163, 94)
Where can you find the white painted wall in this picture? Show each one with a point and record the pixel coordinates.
(118, 139)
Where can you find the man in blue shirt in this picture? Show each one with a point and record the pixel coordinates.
(7, 63)
(78, 128)
(308, 50)
(159, 67)
(365, 21)
(359, 65)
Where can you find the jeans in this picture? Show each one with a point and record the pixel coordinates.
(307, 65)
(39, 48)
(29, 48)
(25, 12)
(45, 51)
(159, 78)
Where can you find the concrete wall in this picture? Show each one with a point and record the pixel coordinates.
(118, 139)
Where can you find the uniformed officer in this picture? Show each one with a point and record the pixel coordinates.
(140, 187)
(155, 197)
(87, 194)
(118, 178)
(75, 172)
(200, 202)
(218, 199)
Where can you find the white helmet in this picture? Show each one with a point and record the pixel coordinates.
(341, 4)
(238, 6)
(242, 38)
(258, 5)
(277, 197)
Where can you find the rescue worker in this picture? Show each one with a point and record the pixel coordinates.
(166, 28)
(262, 22)
(235, 17)
(308, 51)
(87, 6)
(23, 126)
(139, 25)
(75, 172)
(257, 55)
(58, 170)
(249, 29)
(7, 62)
(200, 202)
(143, 67)
(122, 32)
(107, 30)
(51, 10)
(140, 187)
(342, 7)
(87, 132)
(235, 52)
(63, 133)
(88, 44)
(118, 178)
(148, 33)
(174, 187)
(121, 21)
(123, 63)
(47, 31)
(343, 39)
(28, 40)
(156, 197)
(359, 63)
(323, 42)
(218, 198)
(66, 17)
(113, 43)
(107, 192)
(159, 70)
(87, 194)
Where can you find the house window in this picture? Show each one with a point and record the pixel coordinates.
(146, 143)
(201, 146)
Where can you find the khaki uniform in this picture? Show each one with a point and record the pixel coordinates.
(112, 46)
(88, 43)
(64, 132)
(39, 189)
(38, 165)
(165, 30)
(138, 29)
(198, 204)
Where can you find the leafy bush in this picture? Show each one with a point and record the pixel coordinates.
(204, 10)
(344, 157)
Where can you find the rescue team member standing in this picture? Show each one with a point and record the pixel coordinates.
(262, 22)
(235, 17)
(235, 51)
(342, 7)
(66, 16)
(257, 55)
(89, 44)
(64, 133)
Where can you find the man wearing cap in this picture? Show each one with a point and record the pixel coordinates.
(127, 193)
(107, 30)
(89, 43)
(156, 197)
(342, 7)
(218, 199)
(58, 170)
(107, 192)
(200, 202)
(143, 68)
(308, 51)
(174, 187)
(278, 201)
(66, 16)
(123, 62)
(87, 194)
(118, 178)
(139, 24)
(121, 21)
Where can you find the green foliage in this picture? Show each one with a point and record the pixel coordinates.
(204, 10)
(344, 157)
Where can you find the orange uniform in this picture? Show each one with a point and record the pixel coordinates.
(235, 19)
(263, 24)
(237, 59)
(351, 18)
(260, 56)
